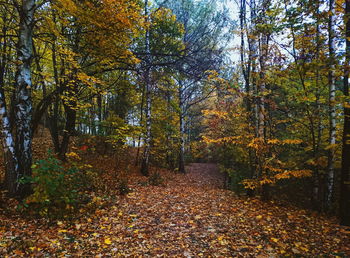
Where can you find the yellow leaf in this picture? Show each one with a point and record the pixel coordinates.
(108, 241)
(259, 217)
(274, 239)
(304, 249)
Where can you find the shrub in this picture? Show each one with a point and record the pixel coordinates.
(55, 187)
(155, 179)
(123, 186)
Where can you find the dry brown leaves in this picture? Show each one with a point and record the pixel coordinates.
(188, 217)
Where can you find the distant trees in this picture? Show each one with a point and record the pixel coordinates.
(205, 43)
(194, 47)
(282, 121)
(126, 70)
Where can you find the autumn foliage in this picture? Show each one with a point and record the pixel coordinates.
(174, 128)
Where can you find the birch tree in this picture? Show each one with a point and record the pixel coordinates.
(331, 101)
(17, 149)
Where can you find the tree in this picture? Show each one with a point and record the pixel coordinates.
(345, 164)
(205, 42)
(332, 110)
(148, 90)
(84, 47)
(18, 153)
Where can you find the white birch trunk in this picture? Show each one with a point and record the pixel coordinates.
(8, 144)
(332, 113)
(23, 102)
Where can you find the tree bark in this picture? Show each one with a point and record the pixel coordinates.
(23, 100)
(8, 144)
(332, 112)
(148, 114)
(69, 130)
(182, 145)
(345, 165)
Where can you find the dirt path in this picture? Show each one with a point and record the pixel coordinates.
(189, 217)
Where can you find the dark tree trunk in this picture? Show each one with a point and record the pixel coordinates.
(53, 118)
(69, 130)
(99, 114)
(148, 116)
(147, 141)
(182, 145)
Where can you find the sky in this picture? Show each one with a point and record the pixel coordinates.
(232, 6)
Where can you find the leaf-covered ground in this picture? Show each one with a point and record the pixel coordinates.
(190, 216)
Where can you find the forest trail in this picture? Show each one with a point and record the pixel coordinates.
(190, 216)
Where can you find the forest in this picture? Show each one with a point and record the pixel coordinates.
(175, 128)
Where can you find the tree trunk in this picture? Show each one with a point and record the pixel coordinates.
(246, 70)
(147, 138)
(148, 116)
(99, 114)
(262, 116)
(53, 118)
(8, 144)
(253, 50)
(182, 144)
(332, 112)
(23, 100)
(69, 130)
(345, 165)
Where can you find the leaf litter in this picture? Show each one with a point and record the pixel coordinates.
(188, 216)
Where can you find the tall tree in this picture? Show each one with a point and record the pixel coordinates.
(148, 96)
(18, 153)
(332, 111)
(345, 165)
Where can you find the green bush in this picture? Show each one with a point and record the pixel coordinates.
(156, 179)
(123, 186)
(55, 186)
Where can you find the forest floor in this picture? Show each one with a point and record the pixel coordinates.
(188, 216)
